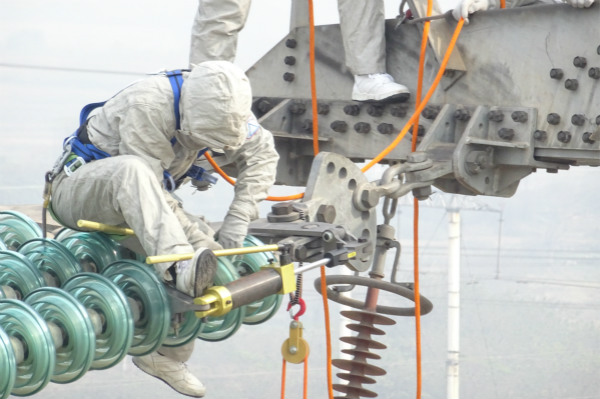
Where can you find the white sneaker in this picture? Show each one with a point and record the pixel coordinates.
(172, 372)
(197, 274)
(378, 87)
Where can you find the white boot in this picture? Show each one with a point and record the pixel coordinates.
(378, 87)
(197, 274)
(172, 372)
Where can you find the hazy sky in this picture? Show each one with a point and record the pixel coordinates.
(39, 106)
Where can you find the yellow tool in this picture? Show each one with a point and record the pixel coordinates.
(219, 252)
(105, 228)
(295, 349)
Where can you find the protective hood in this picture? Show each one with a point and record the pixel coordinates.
(215, 104)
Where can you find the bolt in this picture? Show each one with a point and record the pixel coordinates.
(422, 193)
(399, 111)
(430, 112)
(291, 43)
(553, 118)
(420, 131)
(598, 120)
(416, 157)
(580, 62)
(282, 208)
(263, 105)
(506, 133)
(578, 119)
(352, 109)
(293, 350)
(556, 73)
(519, 116)
(462, 115)
(339, 126)
(369, 198)
(594, 73)
(564, 136)
(362, 127)
(297, 108)
(322, 109)
(289, 60)
(588, 137)
(307, 125)
(571, 84)
(540, 135)
(326, 213)
(476, 161)
(385, 128)
(375, 110)
(289, 77)
(496, 116)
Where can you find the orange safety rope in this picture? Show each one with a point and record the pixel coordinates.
(304, 382)
(502, 3)
(424, 40)
(313, 78)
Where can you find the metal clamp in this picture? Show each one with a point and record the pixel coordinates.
(73, 166)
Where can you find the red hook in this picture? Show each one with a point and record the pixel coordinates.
(302, 305)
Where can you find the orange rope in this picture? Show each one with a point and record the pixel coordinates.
(313, 78)
(502, 3)
(327, 331)
(424, 41)
(283, 369)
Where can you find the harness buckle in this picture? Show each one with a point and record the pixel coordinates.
(73, 166)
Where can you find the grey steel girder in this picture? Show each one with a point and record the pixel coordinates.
(529, 99)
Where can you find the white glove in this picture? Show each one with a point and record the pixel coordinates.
(580, 3)
(467, 7)
(232, 232)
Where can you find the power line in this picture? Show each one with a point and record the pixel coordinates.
(69, 69)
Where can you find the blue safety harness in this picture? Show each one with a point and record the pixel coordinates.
(82, 153)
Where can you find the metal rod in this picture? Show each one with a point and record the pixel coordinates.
(105, 228)
(219, 252)
(431, 18)
(311, 266)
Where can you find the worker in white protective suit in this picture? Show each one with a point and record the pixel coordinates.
(468, 7)
(217, 23)
(137, 128)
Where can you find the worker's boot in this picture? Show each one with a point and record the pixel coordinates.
(378, 87)
(196, 275)
(172, 372)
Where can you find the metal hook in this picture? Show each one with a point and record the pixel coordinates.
(302, 305)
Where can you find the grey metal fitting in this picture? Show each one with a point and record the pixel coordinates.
(291, 43)
(352, 109)
(594, 73)
(322, 109)
(326, 213)
(462, 115)
(571, 84)
(422, 193)
(297, 108)
(375, 110)
(362, 127)
(369, 198)
(385, 128)
(386, 231)
(564, 136)
(556, 73)
(289, 77)
(339, 126)
(496, 115)
(506, 133)
(399, 111)
(282, 208)
(589, 137)
(519, 116)
(430, 112)
(553, 118)
(416, 157)
(578, 119)
(540, 135)
(476, 161)
(580, 62)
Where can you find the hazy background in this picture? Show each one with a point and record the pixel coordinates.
(530, 319)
